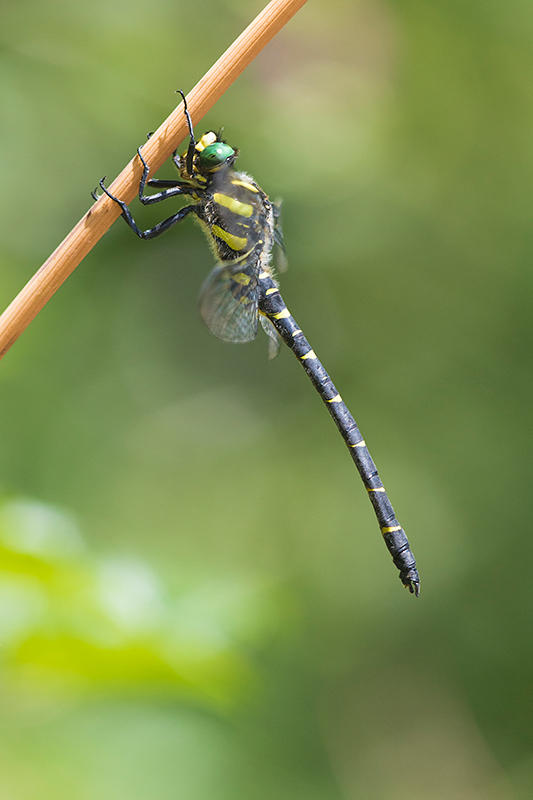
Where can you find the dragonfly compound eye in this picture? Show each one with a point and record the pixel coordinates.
(214, 155)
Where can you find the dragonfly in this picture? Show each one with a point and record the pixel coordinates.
(242, 290)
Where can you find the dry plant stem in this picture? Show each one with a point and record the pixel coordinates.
(163, 142)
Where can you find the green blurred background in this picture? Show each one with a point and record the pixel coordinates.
(195, 603)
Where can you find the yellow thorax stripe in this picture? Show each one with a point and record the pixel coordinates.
(246, 185)
(243, 209)
(235, 242)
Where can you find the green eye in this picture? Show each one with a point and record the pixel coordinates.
(215, 154)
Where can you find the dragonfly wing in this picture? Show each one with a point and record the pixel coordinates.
(274, 340)
(281, 254)
(228, 300)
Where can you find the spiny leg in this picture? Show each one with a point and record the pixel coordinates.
(192, 141)
(157, 230)
(271, 304)
(174, 188)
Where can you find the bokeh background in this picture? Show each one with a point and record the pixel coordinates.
(195, 602)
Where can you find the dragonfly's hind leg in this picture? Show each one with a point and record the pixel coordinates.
(157, 230)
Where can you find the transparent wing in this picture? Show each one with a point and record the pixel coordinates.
(281, 254)
(228, 300)
(274, 340)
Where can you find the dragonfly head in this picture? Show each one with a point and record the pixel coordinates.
(212, 154)
(208, 155)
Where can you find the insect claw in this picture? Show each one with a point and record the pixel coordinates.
(94, 193)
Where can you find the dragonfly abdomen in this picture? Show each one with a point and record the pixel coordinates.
(272, 305)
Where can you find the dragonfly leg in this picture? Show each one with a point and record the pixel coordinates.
(173, 188)
(157, 230)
